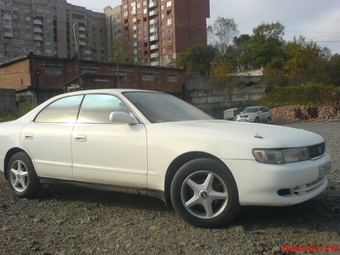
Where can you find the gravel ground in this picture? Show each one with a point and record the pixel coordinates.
(67, 220)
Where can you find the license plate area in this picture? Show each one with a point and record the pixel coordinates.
(325, 169)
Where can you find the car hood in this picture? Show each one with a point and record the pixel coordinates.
(221, 135)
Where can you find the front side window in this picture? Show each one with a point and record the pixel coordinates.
(161, 107)
(98, 107)
(64, 110)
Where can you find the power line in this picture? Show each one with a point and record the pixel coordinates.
(305, 13)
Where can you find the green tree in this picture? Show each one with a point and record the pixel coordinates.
(306, 62)
(266, 45)
(334, 69)
(122, 52)
(221, 70)
(242, 51)
(197, 59)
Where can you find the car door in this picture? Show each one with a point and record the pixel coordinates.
(48, 138)
(262, 114)
(106, 152)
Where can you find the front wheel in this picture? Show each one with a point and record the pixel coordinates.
(204, 193)
(21, 176)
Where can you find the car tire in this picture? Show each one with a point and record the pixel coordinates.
(269, 120)
(204, 193)
(256, 120)
(22, 177)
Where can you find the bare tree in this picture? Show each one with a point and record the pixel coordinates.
(222, 33)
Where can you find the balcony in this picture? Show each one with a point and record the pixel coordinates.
(153, 4)
(7, 17)
(81, 29)
(37, 22)
(154, 55)
(153, 21)
(153, 13)
(81, 43)
(38, 30)
(153, 38)
(38, 38)
(154, 47)
(8, 34)
(82, 36)
(154, 63)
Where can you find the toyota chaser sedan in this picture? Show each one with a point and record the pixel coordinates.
(155, 144)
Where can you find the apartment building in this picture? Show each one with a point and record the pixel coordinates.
(160, 30)
(113, 18)
(51, 28)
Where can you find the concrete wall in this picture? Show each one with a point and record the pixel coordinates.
(200, 92)
(7, 100)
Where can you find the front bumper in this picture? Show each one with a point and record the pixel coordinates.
(278, 185)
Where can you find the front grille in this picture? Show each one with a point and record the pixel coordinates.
(317, 150)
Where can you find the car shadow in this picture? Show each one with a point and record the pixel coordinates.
(251, 218)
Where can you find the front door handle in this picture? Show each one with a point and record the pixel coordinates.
(80, 138)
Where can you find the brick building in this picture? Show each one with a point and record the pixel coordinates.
(37, 78)
(160, 30)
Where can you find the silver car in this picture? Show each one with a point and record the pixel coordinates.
(255, 114)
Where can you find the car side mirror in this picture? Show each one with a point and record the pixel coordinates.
(122, 118)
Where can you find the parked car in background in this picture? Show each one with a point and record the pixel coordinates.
(155, 144)
(255, 114)
(231, 114)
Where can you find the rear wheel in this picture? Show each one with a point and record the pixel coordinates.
(269, 120)
(204, 193)
(22, 177)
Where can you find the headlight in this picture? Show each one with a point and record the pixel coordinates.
(281, 156)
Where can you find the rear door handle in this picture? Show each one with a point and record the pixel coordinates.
(80, 138)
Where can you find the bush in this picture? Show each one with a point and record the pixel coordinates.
(310, 95)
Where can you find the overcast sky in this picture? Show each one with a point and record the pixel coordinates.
(317, 20)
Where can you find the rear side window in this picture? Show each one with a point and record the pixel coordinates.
(97, 108)
(64, 110)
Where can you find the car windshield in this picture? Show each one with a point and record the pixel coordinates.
(250, 109)
(161, 107)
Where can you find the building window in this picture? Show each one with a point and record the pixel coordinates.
(148, 77)
(169, 21)
(172, 78)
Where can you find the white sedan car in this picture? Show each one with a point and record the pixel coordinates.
(155, 144)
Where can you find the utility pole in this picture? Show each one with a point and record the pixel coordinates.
(75, 33)
(117, 63)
